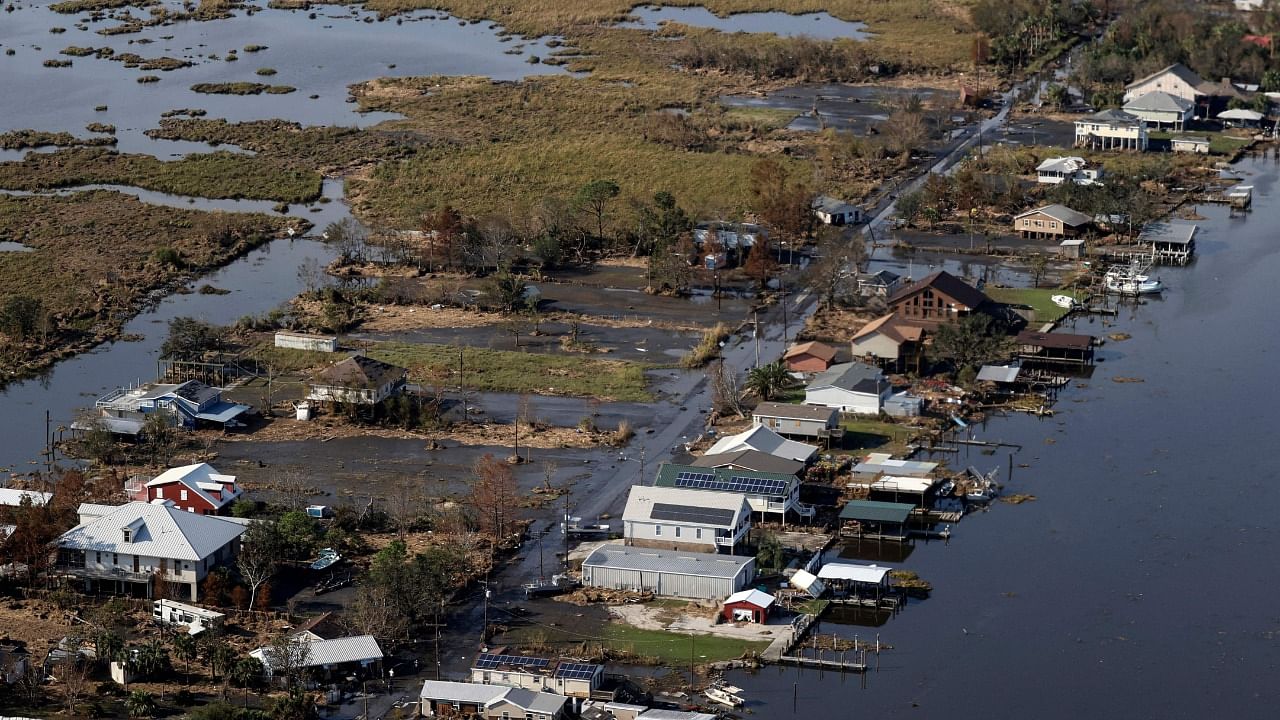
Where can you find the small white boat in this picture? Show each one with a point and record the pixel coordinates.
(725, 694)
(1064, 301)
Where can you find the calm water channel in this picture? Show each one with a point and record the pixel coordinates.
(1142, 581)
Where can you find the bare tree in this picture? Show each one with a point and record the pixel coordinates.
(375, 612)
(260, 552)
(405, 505)
(493, 494)
(74, 675)
(726, 395)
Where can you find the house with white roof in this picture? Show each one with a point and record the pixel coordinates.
(1072, 169)
(667, 573)
(14, 497)
(749, 605)
(131, 547)
(684, 519)
(195, 488)
(441, 698)
(765, 440)
(337, 657)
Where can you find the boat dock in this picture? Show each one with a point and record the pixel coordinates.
(841, 663)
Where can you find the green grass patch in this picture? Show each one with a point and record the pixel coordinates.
(71, 7)
(660, 646)
(241, 88)
(210, 175)
(861, 436)
(291, 360)
(813, 606)
(1220, 143)
(1038, 299)
(517, 372)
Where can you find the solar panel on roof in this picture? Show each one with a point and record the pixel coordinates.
(576, 671)
(739, 483)
(489, 661)
(687, 513)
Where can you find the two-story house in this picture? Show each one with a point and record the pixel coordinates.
(195, 488)
(358, 380)
(571, 678)
(1111, 130)
(936, 299)
(765, 492)
(681, 519)
(131, 548)
(190, 404)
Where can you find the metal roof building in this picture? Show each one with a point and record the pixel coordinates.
(358, 649)
(697, 576)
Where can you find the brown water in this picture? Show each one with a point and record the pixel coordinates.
(1142, 581)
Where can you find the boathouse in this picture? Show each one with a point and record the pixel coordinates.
(1172, 243)
(1055, 348)
(875, 520)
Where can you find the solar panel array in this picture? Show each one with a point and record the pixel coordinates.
(689, 514)
(738, 484)
(576, 671)
(490, 661)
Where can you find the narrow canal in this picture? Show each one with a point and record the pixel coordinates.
(1142, 581)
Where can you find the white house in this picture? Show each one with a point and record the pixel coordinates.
(328, 658)
(441, 698)
(850, 387)
(304, 341)
(765, 492)
(1072, 169)
(1111, 130)
(1162, 109)
(139, 544)
(357, 380)
(763, 439)
(831, 211)
(1177, 80)
(571, 678)
(683, 519)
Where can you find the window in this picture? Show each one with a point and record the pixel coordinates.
(1053, 223)
(99, 554)
(115, 559)
(677, 531)
(182, 495)
(697, 533)
(657, 529)
(128, 535)
(159, 492)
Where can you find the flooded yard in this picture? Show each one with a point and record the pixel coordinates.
(818, 25)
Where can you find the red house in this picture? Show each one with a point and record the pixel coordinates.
(198, 489)
(748, 606)
(810, 357)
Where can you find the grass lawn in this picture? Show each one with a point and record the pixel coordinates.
(517, 372)
(1219, 143)
(764, 117)
(675, 648)
(1039, 299)
(864, 435)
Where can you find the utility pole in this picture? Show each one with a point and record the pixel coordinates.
(755, 315)
(484, 630)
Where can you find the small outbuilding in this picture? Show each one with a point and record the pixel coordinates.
(1198, 144)
(809, 357)
(305, 341)
(748, 606)
(831, 211)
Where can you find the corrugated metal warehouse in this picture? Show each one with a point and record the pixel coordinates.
(697, 576)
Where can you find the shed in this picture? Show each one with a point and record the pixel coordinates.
(809, 357)
(1071, 248)
(808, 582)
(1190, 143)
(748, 606)
(875, 519)
(697, 576)
(831, 211)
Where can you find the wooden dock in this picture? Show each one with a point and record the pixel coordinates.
(842, 664)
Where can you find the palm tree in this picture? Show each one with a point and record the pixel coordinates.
(140, 705)
(768, 381)
(151, 659)
(185, 648)
(244, 673)
(221, 656)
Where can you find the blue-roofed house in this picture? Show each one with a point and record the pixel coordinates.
(190, 404)
(765, 492)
